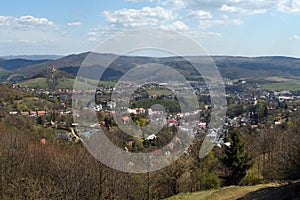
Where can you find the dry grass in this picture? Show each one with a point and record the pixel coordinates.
(236, 192)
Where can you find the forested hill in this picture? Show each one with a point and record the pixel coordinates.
(229, 66)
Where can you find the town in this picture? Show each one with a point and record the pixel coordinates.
(258, 130)
(249, 107)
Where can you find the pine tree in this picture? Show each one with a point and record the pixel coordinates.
(236, 159)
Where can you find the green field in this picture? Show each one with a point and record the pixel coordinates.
(292, 85)
(64, 83)
(159, 92)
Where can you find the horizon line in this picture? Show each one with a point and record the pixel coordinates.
(154, 56)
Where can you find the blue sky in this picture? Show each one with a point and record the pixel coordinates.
(222, 27)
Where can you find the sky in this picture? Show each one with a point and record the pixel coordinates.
(221, 27)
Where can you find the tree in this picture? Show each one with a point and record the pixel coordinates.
(236, 159)
(266, 112)
(141, 122)
(172, 179)
(288, 155)
(203, 175)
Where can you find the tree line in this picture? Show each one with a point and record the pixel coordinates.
(59, 170)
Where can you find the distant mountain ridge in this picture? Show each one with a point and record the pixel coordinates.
(244, 67)
(32, 57)
(232, 67)
(15, 64)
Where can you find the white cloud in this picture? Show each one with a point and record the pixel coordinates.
(158, 17)
(74, 23)
(212, 34)
(290, 6)
(32, 35)
(234, 9)
(92, 39)
(93, 33)
(296, 37)
(224, 20)
(178, 4)
(25, 22)
(200, 34)
(243, 7)
(229, 8)
(137, 18)
(199, 14)
(254, 4)
(175, 26)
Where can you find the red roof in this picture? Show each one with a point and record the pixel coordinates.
(125, 118)
(172, 121)
(41, 112)
(130, 143)
(138, 109)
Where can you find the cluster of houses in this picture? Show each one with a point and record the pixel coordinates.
(243, 91)
(30, 113)
(39, 113)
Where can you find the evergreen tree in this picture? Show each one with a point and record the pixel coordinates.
(266, 112)
(236, 159)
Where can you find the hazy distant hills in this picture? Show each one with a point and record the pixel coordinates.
(14, 64)
(33, 57)
(65, 62)
(229, 66)
(72, 63)
(237, 67)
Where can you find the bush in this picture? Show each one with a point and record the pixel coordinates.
(209, 181)
(253, 177)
